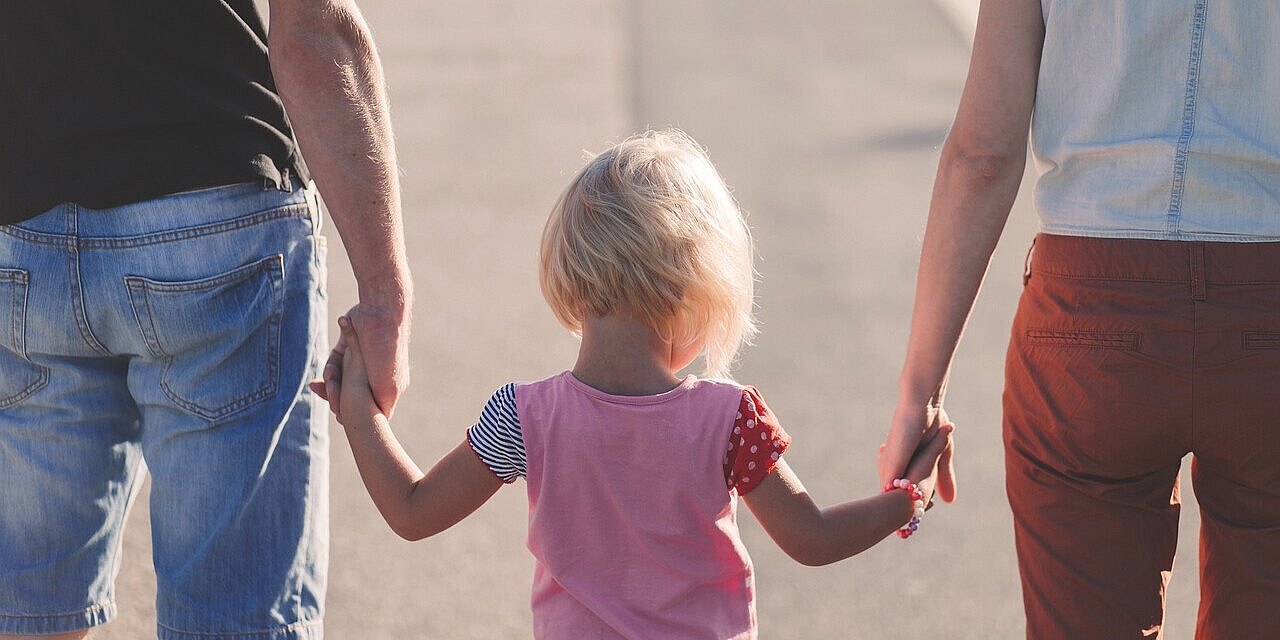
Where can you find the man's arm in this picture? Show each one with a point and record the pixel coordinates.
(330, 79)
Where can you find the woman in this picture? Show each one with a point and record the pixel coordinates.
(1149, 326)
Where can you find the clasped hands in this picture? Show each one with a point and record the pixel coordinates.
(911, 432)
(384, 345)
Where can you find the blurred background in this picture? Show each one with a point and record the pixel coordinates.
(826, 117)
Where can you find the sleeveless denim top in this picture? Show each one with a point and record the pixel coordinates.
(1159, 119)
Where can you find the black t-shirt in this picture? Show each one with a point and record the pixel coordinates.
(107, 102)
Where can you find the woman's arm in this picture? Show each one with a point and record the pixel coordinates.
(813, 536)
(416, 505)
(978, 177)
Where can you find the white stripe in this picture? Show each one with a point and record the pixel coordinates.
(496, 437)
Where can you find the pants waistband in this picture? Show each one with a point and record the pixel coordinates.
(1194, 262)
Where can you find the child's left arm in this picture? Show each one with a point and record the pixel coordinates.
(416, 505)
(815, 536)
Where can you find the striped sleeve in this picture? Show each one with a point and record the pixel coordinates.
(496, 437)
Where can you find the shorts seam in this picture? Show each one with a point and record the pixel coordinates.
(39, 384)
(297, 210)
(93, 608)
(94, 615)
(264, 633)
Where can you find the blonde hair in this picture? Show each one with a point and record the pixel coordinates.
(650, 226)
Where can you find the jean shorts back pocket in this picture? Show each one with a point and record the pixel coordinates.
(218, 338)
(19, 377)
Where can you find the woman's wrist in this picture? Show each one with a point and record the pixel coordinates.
(918, 396)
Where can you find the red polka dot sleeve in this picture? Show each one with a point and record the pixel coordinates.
(756, 444)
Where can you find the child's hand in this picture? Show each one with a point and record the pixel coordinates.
(923, 467)
(329, 387)
(356, 399)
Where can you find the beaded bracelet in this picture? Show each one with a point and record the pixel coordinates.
(917, 503)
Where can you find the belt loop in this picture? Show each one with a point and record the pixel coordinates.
(282, 183)
(1026, 264)
(70, 222)
(1196, 250)
(313, 205)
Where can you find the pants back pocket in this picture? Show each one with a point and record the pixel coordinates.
(218, 338)
(19, 377)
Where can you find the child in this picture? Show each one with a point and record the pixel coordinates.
(633, 473)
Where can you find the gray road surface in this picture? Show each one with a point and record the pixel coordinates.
(825, 116)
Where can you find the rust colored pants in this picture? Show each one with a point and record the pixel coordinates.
(1125, 356)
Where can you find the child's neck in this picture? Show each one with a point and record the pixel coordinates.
(621, 355)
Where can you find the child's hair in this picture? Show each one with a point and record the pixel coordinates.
(650, 226)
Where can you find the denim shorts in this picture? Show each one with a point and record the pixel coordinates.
(174, 335)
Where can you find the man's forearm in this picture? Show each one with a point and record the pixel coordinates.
(329, 76)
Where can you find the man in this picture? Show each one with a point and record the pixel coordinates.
(161, 300)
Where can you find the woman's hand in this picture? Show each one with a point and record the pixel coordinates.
(913, 428)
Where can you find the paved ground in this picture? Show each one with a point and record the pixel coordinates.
(825, 116)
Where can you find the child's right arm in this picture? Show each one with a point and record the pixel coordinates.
(416, 505)
(814, 536)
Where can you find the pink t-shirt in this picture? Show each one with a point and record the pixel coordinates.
(633, 503)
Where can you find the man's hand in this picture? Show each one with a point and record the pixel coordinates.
(384, 342)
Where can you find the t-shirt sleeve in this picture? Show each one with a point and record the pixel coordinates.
(756, 444)
(496, 437)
